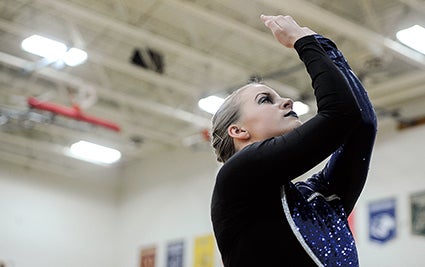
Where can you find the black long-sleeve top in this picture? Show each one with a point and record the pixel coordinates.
(260, 217)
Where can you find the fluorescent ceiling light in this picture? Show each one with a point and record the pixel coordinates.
(44, 47)
(413, 37)
(74, 57)
(93, 153)
(53, 50)
(211, 103)
(300, 108)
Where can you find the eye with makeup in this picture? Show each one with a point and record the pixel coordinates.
(265, 99)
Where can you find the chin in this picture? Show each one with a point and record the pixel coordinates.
(297, 124)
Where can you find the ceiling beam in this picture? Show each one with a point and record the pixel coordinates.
(401, 96)
(138, 73)
(400, 83)
(123, 28)
(53, 160)
(170, 45)
(265, 38)
(344, 27)
(242, 29)
(124, 99)
(415, 4)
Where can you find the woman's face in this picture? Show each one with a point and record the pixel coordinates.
(265, 114)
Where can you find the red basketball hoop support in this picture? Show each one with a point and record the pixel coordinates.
(71, 112)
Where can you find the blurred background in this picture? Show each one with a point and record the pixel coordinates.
(135, 80)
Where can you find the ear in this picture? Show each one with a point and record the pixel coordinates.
(237, 132)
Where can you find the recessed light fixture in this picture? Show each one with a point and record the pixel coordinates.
(44, 47)
(413, 37)
(300, 108)
(210, 104)
(53, 51)
(93, 153)
(74, 57)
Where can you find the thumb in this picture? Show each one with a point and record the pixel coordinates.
(273, 26)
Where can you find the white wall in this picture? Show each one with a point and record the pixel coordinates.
(53, 220)
(165, 198)
(397, 170)
(49, 220)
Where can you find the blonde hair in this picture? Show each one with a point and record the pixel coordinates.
(228, 113)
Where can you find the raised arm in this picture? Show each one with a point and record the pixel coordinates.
(303, 148)
(346, 172)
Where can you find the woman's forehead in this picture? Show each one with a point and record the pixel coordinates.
(254, 89)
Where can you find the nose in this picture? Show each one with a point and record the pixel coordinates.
(286, 103)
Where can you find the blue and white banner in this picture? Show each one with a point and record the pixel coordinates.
(382, 220)
(417, 205)
(175, 252)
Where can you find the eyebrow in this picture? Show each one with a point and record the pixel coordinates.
(261, 93)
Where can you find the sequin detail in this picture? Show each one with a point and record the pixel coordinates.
(320, 225)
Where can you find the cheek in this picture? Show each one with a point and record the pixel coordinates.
(253, 118)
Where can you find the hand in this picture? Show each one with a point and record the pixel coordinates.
(285, 29)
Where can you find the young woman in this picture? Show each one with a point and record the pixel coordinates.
(259, 215)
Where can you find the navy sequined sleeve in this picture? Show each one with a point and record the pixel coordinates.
(346, 171)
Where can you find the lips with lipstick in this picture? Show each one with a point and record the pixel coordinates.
(291, 114)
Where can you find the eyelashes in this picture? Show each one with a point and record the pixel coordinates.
(265, 99)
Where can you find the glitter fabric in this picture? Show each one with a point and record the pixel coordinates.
(338, 58)
(247, 221)
(320, 225)
(316, 215)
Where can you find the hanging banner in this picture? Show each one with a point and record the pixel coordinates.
(175, 252)
(204, 251)
(417, 205)
(382, 220)
(351, 222)
(147, 257)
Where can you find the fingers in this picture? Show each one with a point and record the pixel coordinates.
(284, 29)
(279, 20)
(272, 25)
(265, 18)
